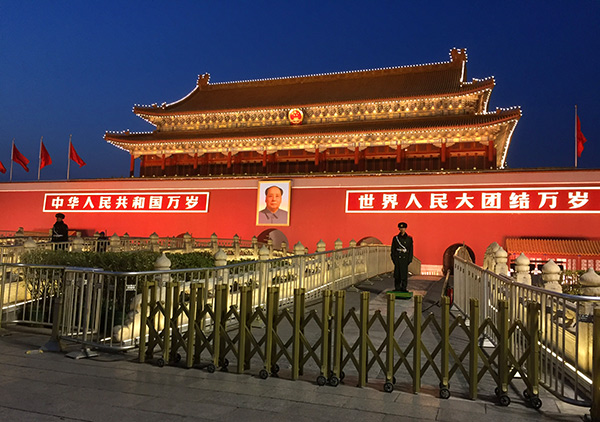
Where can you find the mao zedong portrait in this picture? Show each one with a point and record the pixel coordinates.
(272, 214)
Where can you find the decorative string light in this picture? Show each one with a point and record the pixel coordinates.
(466, 97)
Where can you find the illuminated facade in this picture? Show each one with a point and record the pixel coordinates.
(411, 118)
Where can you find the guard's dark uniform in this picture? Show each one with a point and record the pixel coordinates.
(402, 255)
(60, 232)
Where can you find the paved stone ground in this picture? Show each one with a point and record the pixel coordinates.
(39, 387)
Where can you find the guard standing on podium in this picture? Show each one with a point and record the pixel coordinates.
(402, 255)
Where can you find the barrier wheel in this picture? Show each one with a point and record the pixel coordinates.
(444, 393)
(388, 387)
(394, 380)
(160, 362)
(334, 381)
(536, 403)
(275, 369)
(526, 394)
(321, 380)
(177, 358)
(504, 400)
(263, 374)
(223, 363)
(497, 391)
(211, 368)
(342, 376)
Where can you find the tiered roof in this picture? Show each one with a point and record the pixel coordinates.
(193, 123)
(431, 80)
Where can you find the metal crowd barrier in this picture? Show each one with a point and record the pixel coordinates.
(336, 342)
(101, 309)
(566, 326)
(27, 292)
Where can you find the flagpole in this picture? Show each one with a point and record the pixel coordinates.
(12, 150)
(40, 158)
(575, 135)
(69, 157)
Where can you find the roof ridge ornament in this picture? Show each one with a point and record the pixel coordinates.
(458, 55)
(203, 80)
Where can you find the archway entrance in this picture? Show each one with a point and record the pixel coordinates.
(276, 236)
(370, 240)
(449, 255)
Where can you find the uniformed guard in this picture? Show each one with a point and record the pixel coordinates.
(60, 232)
(402, 255)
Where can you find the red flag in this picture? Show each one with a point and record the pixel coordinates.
(19, 158)
(75, 157)
(45, 159)
(2, 168)
(580, 138)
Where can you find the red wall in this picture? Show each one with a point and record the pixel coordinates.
(317, 210)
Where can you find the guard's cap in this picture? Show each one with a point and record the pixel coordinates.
(402, 225)
(60, 215)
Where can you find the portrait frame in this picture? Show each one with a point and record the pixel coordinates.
(262, 215)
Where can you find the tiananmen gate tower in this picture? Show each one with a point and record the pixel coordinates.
(350, 155)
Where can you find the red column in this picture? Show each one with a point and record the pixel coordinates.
(132, 166)
(491, 154)
(228, 159)
(317, 156)
(195, 161)
(163, 162)
(444, 154)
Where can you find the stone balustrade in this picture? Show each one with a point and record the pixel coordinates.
(495, 260)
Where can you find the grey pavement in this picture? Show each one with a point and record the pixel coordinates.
(37, 386)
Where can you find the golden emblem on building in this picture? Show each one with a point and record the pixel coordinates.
(296, 116)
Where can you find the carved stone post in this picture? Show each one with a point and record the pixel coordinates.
(284, 248)
(214, 243)
(590, 286)
(263, 256)
(299, 249)
(236, 246)
(352, 243)
(551, 276)
(590, 283)
(20, 236)
(126, 242)
(221, 261)
(77, 243)
(522, 269)
(162, 263)
(270, 246)
(188, 243)
(254, 247)
(489, 258)
(115, 243)
(321, 246)
(220, 258)
(338, 244)
(154, 246)
(501, 266)
(29, 245)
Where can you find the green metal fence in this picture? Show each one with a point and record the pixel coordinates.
(334, 343)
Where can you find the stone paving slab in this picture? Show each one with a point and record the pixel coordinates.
(49, 387)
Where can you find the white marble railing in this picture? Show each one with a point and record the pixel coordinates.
(566, 320)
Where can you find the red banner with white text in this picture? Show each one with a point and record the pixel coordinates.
(499, 200)
(116, 202)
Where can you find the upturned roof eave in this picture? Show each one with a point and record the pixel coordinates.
(505, 116)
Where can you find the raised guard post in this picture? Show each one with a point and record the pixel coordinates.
(402, 295)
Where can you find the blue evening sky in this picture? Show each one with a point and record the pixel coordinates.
(78, 67)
